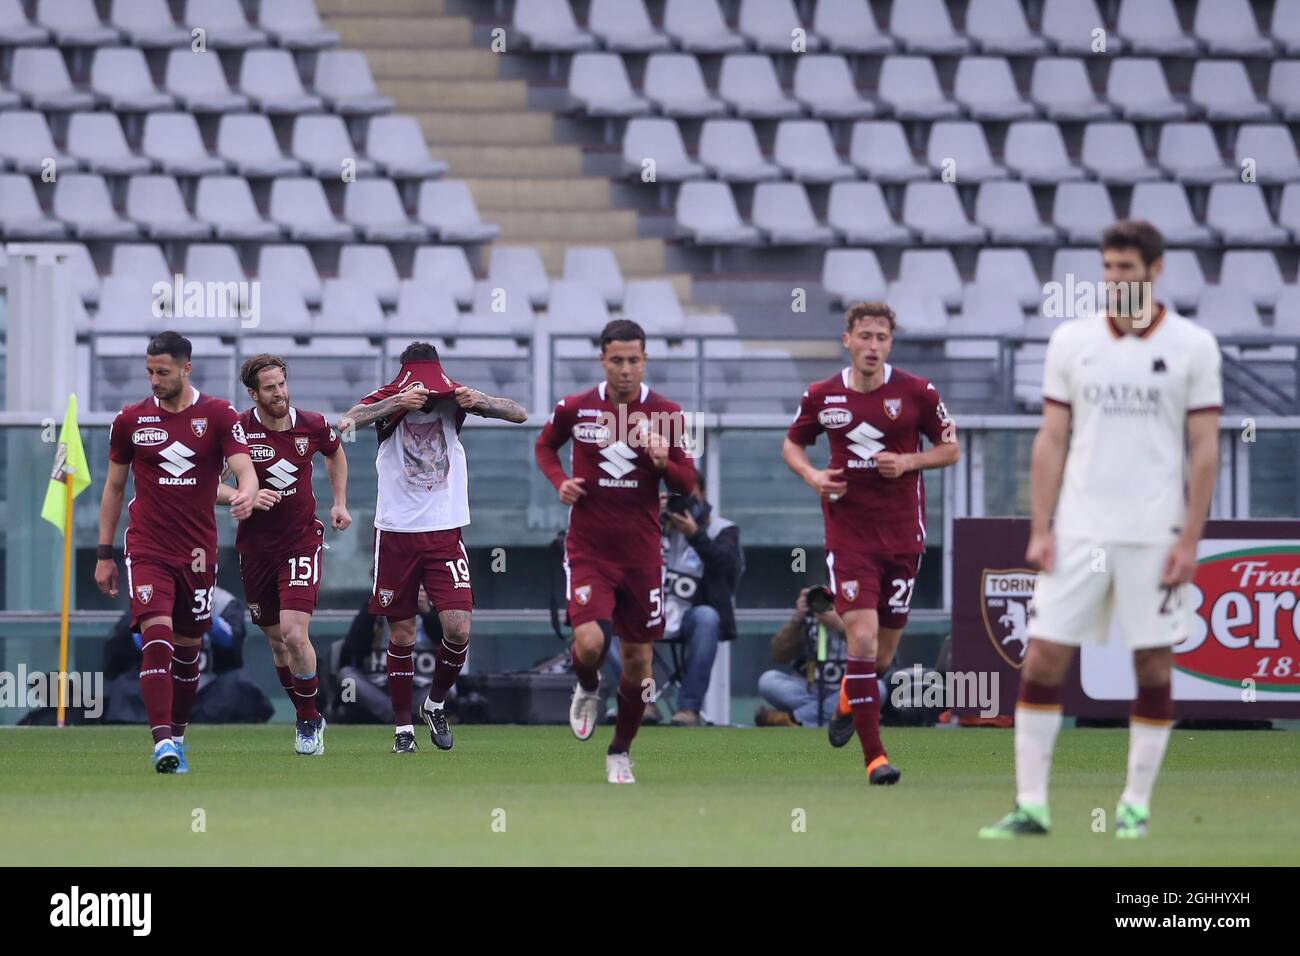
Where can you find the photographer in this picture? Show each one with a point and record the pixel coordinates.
(793, 694)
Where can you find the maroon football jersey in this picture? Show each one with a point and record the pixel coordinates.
(176, 460)
(617, 521)
(283, 461)
(877, 514)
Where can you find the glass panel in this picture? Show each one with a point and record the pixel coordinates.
(1274, 464)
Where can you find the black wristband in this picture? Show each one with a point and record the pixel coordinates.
(104, 552)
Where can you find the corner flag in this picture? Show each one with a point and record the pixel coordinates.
(69, 463)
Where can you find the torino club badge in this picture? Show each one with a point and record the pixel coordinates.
(301, 445)
(583, 594)
(200, 426)
(385, 597)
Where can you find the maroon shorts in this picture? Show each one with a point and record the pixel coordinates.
(630, 598)
(406, 559)
(170, 587)
(862, 580)
(286, 582)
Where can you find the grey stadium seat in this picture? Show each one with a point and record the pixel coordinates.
(1151, 26)
(1007, 210)
(1182, 279)
(1036, 151)
(598, 84)
(1012, 270)
(674, 83)
(1165, 205)
(1225, 310)
(155, 202)
(880, 149)
(423, 308)
(291, 265)
(748, 82)
(935, 212)
(849, 26)
(825, 86)
(1138, 89)
(576, 307)
(1223, 90)
(213, 262)
(120, 77)
(84, 275)
(447, 207)
(698, 27)
(653, 304)
(372, 266)
(985, 86)
(225, 24)
(990, 310)
(448, 267)
(919, 310)
(923, 26)
(910, 85)
(1228, 28)
(198, 82)
(322, 144)
(597, 267)
(74, 23)
(397, 144)
(16, 29)
(82, 201)
(247, 142)
(300, 206)
(784, 214)
(20, 214)
(934, 270)
(40, 77)
(1069, 24)
(26, 143)
(520, 267)
(1082, 211)
(1238, 211)
(374, 207)
(729, 148)
(270, 80)
(804, 149)
(658, 139)
(625, 25)
(147, 23)
(1083, 264)
(1111, 152)
(999, 26)
(141, 260)
(283, 310)
(295, 24)
(852, 275)
(549, 25)
(1060, 85)
(174, 142)
(344, 81)
(962, 143)
(498, 309)
(857, 210)
(227, 203)
(349, 306)
(1284, 88)
(706, 213)
(1272, 149)
(1189, 153)
(96, 139)
(1255, 270)
(770, 24)
(1286, 26)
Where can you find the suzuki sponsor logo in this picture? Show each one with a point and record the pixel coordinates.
(176, 459)
(149, 437)
(865, 444)
(619, 460)
(281, 475)
(834, 417)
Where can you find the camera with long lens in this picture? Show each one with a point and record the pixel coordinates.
(819, 600)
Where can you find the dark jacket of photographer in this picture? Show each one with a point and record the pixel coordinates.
(717, 542)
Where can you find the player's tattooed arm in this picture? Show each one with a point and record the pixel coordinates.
(489, 406)
(359, 416)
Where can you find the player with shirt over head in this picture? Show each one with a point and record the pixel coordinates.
(873, 504)
(422, 504)
(1126, 457)
(279, 544)
(626, 438)
(173, 444)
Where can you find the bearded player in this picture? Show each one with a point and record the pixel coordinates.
(873, 503)
(1126, 457)
(423, 503)
(613, 552)
(173, 444)
(279, 544)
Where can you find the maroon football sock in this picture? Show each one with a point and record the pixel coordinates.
(185, 685)
(450, 659)
(630, 710)
(304, 696)
(285, 673)
(401, 680)
(156, 679)
(588, 676)
(1154, 703)
(864, 700)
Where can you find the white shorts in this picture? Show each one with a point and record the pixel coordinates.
(1073, 604)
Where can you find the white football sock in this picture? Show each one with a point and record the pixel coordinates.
(1035, 739)
(1146, 750)
(433, 704)
(405, 729)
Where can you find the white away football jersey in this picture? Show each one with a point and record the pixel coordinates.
(1129, 397)
(423, 482)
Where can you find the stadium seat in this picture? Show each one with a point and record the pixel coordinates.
(824, 85)
(784, 214)
(448, 267)
(227, 203)
(1084, 265)
(849, 26)
(748, 83)
(770, 26)
(1165, 206)
(990, 310)
(1069, 25)
(1256, 271)
(852, 275)
(1225, 310)
(141, 260)
(397, 144)
(934, 210)
(1284, 88)
(82, 201)
(349, 306)
(283, 311)
(40, 77)
(292, 266)
(1036, 152)
(125, 304)
(1228, 28)
(1007, 210)
(1285, 28)
(985, 86)
(1012, 270)
(706, 213)
(322, 144)
(1060, 85)
(999, 26)
(299, 205)
(923, 26)
(1222, 89)
(224, 23)
(1151, 27)
(424, 308)
(27, 145)
(879, 149)
(1189, 153)
(270, 80)
(548, 25)
(343, 80)
(248, 143)
(857, 210)
(498, 309)
(375, 209)
(1112, 153)
(804, 149)
(520, 267)
(20, 214)
(1273, 151)
(373, 267)
(1238, 211)
(919, 310)
(674, 83)
(652, 303)
(155, 202)
(729, 149)
(16, 29)
(576, 307)
(74, 23)
(596, 267)
(85, 278)
(199, 83)
(598, 85)
(447, 207)
(120, 78)
(624, 25)
(1182, 280)
(295, 25)
(713, 324)
(1082, 211)
(697, 26)
(934, 270)
(959, 148)
(147, 23)
(212, 262)
(173, 141)
(910, 86)
(660, 140)
(1139, 91)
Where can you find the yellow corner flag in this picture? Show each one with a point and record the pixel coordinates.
(69, 462)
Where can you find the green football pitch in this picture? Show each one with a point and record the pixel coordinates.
(534, 795)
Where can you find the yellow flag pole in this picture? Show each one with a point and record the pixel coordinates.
(67, 585)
